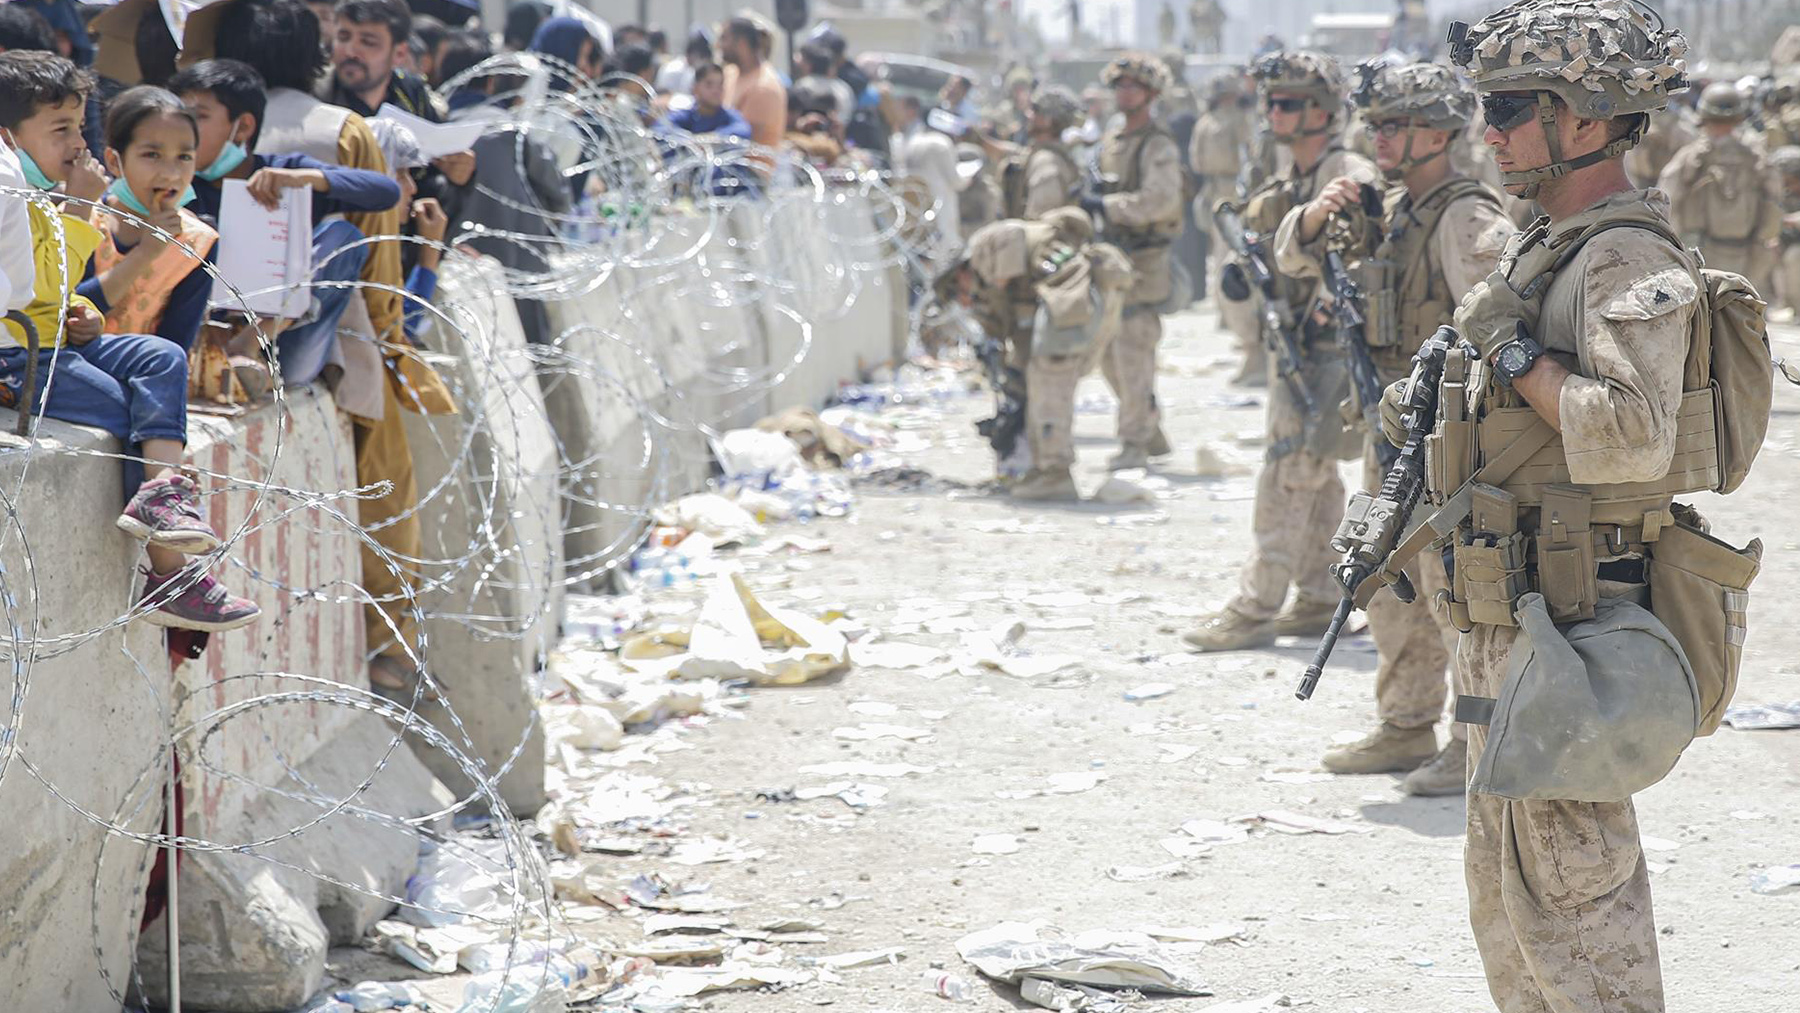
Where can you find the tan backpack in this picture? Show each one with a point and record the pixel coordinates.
(1729, 353)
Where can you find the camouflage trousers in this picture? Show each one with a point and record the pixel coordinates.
(1050, 382)
(1414, 643)
(1129, 364)
(1559, 896)
(1790, 276)
(1299, 504)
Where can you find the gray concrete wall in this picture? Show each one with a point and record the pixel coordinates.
(255, 926)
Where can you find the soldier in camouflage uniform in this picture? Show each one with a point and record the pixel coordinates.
(1725, 198)
(1781, 112)
(1441, 234)
(1559, 893)
(1139, 198)
(1299, 496)
(1669, 132)
(1218, 151)
(1048, 286)
(1785, 162)
(1010, 117)
(1044, 176)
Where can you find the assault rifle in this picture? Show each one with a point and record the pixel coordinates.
(1375, 522)
(1252, 266)
(1365, 382)
(1008, 422)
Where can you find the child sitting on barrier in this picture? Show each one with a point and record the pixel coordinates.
(134, 386)
(228, 99)
(144, 284)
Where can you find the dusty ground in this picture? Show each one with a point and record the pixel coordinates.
(1373, 921)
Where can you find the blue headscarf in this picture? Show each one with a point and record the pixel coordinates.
(561, 37)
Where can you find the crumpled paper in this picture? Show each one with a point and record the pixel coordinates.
(1011, 951)
(738, 637)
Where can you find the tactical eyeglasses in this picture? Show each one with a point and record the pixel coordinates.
(1388, 129)
(1288, 104)
(1507, 112)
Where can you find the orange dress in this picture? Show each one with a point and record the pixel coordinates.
(140, 309)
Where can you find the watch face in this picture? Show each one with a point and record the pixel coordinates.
(1512, 359)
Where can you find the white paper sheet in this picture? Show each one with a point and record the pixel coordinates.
(266, 255)
(435, 139)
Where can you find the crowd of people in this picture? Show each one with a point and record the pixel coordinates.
(132, 146)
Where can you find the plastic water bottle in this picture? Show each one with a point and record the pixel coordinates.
(947, 986)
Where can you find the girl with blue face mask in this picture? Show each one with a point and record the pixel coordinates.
(144, 281)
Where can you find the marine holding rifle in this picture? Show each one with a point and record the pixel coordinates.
(1411, 254)
(1603, 373)
(1299, 497)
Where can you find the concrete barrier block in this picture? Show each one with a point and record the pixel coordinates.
(90, 722)
(494, 496)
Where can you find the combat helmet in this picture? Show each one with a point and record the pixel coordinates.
(1722, 101)
(1310, 73)
(1603, 58)
(1786, 161)
(1057, 104)
(1144, 68)
(1430, 94)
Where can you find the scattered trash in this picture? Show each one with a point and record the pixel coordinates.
(1149, 691)
(855, 795)
(1173, 753)
(1270, 1003)
(865, 733)
(1218, 932)
(1748, 814)
(1011, 951)
(1292, 775)
(1144, 873)
(712, 515)
(432, 950)
(1119, 491)
(710, 850)
(893, 654)
(581, 725)
(853, 768)
(947, 986)
(1060, 784)
(449, 886)
(1283, 821)
(873, 708)
(1776, 880)
(861, 958)
(996, 844)
(1657, 843)
(1209, 463)
(1215, 832)
(657, 924)
(1757, 717)
(738, 637)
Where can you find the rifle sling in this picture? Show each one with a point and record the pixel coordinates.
(1443, 522)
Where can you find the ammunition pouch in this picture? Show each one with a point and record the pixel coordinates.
(1374, 278)
(1700, 590)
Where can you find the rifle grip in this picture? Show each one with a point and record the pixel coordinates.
(1403, 588)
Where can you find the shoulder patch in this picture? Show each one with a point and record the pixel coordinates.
(1652, 296)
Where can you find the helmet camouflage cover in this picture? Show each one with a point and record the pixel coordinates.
(1302, 72)
(1604, 58)
(1144, 68)
(1723, 101)
(1786, 160)
(1057, 104)
(1430, 93)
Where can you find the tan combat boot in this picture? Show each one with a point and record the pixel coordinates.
(1131, 455)
(1388, 749)
(1305, 618)
(1057, 484)
(1446, 774)
(1159, 444)
(1229, 630)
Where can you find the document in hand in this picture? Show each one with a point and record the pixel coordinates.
(266, 255)
(435, 139)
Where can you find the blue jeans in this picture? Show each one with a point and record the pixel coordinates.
(302, 350)
(134, 386)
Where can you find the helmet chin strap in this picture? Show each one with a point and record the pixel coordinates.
(1408, 161)
(1533, 179)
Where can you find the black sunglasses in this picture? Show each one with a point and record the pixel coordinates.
(1388, 129)
(1507, 112)
(1287, 105)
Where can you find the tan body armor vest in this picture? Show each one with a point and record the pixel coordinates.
(1263, 213)
(1405, 295)
(1122, 160)
(1015, 179)
(1529, 527)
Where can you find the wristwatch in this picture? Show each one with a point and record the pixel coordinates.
(1515, 358)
